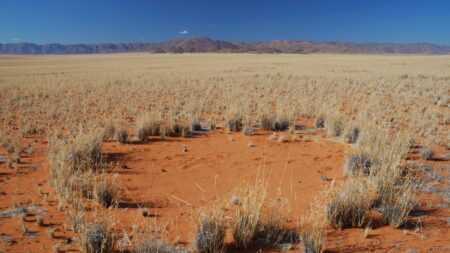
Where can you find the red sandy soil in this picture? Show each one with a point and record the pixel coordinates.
(173, 184)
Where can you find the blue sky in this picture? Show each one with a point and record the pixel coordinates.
(83, 21)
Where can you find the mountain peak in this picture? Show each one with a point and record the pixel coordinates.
(202, 44)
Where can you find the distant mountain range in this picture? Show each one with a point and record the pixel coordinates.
(207, 45)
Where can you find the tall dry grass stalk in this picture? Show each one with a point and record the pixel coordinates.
(78, 171)
(382, 165)
(275, 223)
(72, 158)
(349, 204)
(248, 214)
(313, 228)
(210, 230)
(383, 147)
(397, 201)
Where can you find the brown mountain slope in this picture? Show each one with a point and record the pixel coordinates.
(204, 45)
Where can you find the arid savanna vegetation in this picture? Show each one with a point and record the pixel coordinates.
(224, 153)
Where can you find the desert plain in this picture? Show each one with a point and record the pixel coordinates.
(224, 153)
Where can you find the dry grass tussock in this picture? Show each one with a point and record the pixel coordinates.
(210, 230)
(349, 205)
(276, 227)
(397, 202)
(313, 228)
(97, 236)
(248, 214)
(106, 190)
(148, 238)
(379, 172)
(255, 217)
(156, 245)
(79, 171)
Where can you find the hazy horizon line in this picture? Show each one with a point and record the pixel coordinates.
(19, 41)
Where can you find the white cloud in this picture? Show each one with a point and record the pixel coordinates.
(16, 39)
(183, 32)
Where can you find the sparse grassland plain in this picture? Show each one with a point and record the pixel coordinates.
(125, 152)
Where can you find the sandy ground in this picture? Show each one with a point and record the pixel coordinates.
(173, 178)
